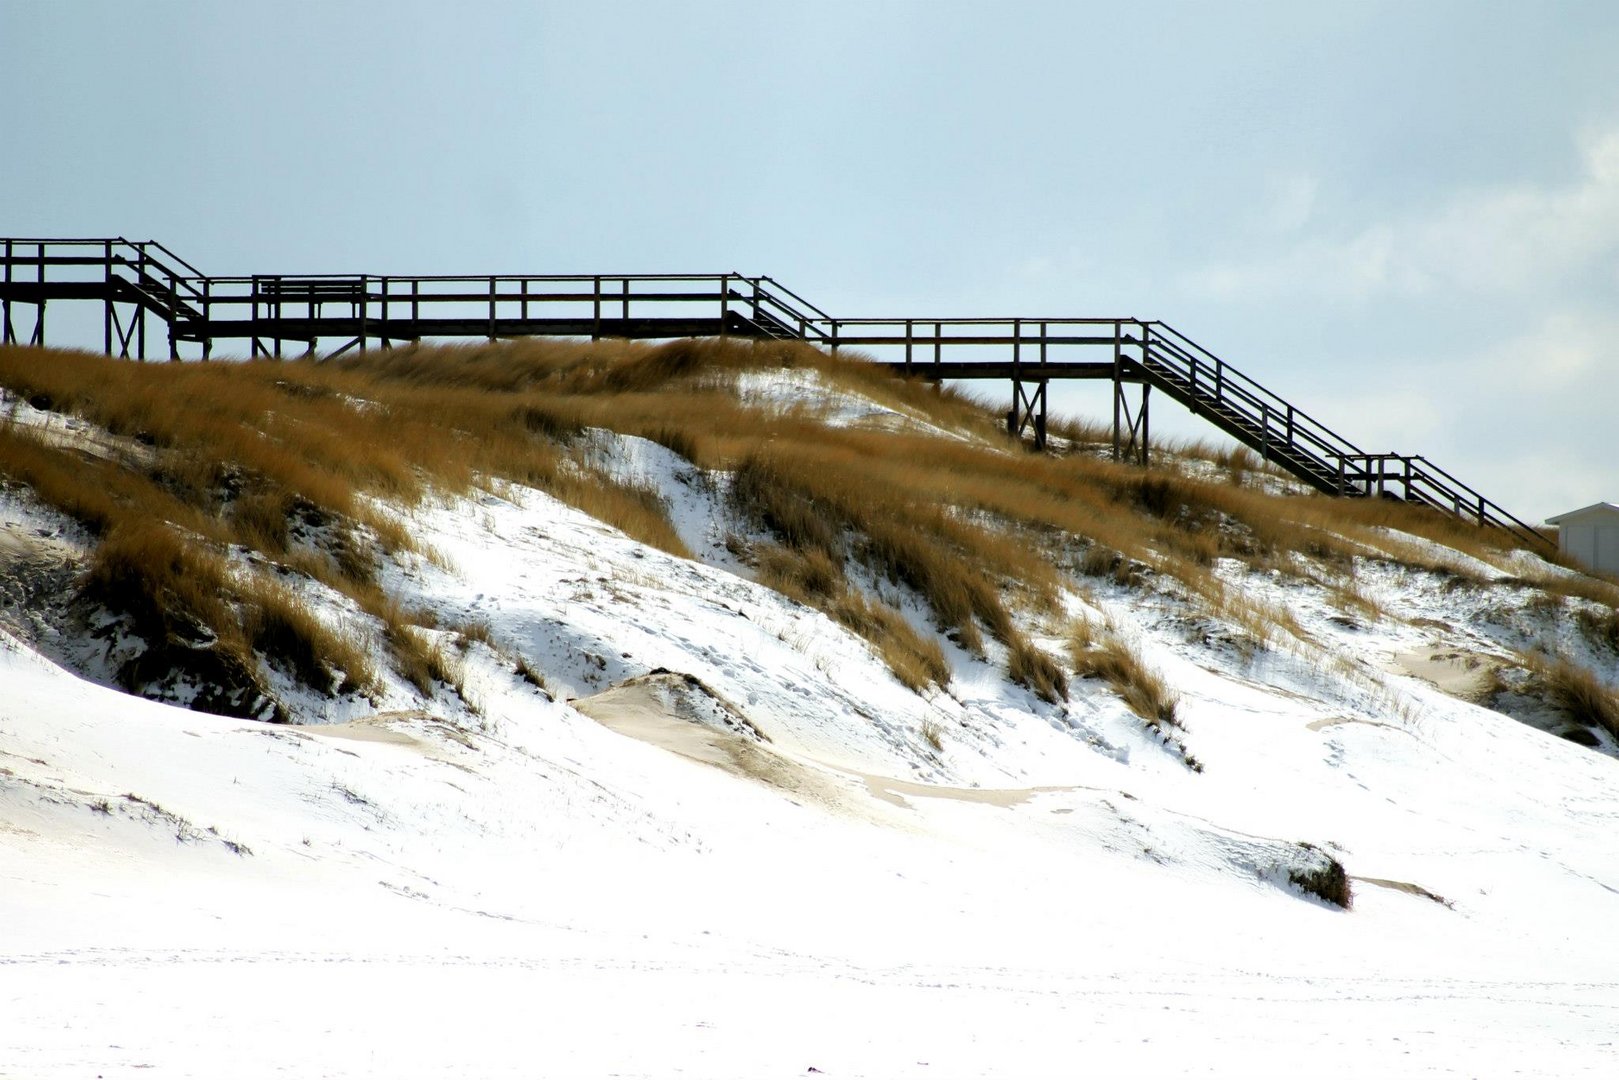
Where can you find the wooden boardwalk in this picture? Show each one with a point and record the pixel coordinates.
(137, 283)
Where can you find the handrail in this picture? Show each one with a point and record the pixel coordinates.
(1267, 394)
(778, 285)
(200, 308)
(1334, 454)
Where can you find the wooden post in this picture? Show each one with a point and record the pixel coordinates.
(1118, 387)
(207, 317)
(8, 333)
(140, 309)
(106, 313)
(1014, 416)
(1146, 392)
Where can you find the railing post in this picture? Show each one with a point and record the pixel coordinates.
(8, 333)
(106, 307)
(725, 303)
(1146, 397)
(207, 317)
(387, 341)
(596, 310)
(908, 336)
(493, 287)
(1014, 415)
(1118, 384)
(174, 315)
(140, 309)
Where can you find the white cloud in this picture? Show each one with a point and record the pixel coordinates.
(1290, 201)
(1505, 240)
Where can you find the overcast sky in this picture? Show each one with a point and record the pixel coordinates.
(1403, 217)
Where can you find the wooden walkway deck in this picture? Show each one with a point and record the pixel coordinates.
(137, 283)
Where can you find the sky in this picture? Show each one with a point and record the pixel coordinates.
(1401, 217)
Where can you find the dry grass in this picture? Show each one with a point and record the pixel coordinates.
(1350, 598)
(1599, 627)
(169, 586)
(532, 675)
(1327, 881)
(1030, 667)
(260, 454)
(419, 660)
(813, 578)
(474, 630)
(1112, 660)
(280, 627)
(268, 455)
(175, 589)
(1580, 694)
(1263, 624)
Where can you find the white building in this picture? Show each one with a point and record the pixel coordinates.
(1590, 535)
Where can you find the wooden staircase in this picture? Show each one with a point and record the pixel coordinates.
(135, 281)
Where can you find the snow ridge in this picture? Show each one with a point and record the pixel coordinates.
(722, 839)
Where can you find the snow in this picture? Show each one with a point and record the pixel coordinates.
(522, 889)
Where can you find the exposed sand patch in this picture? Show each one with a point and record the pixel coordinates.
(372, 729)
(19, 542)
(891, 790)
(637, 710)
(71, 433)
(681, 715)
(1455, 671)
(1403, 886)
(383, 728)
(1334, 721)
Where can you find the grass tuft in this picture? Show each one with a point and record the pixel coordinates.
(1326, 881)
(278, 625)
(1030, 667)
(815, 580)
(1579, 693)
(1112, 660)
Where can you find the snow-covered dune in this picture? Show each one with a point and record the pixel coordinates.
(724, 841)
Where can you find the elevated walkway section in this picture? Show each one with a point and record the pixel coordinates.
(142, 282)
